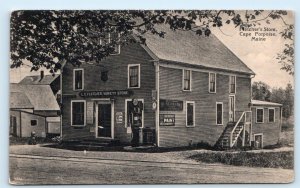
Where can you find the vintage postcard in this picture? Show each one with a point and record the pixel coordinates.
(151, 96)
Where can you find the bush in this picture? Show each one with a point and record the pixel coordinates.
(264, 159)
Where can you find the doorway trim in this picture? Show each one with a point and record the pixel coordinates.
(105, 101)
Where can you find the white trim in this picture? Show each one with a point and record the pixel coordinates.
(209, 82)
(139, 75)
(157, 111)
(190, 86)
(269, 115)
(72, 101)
(234, 84)
(194, 123)
(204, 70)
(233, 107)
(127, 100)
(217, 113)
(74, 70)
(263, 116)
(105, 101)
(262, 138)
(36, 122)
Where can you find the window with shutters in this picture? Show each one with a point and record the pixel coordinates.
(186, 80)
(78, 109)
(134, 76)
(212, 82)
(78, 79)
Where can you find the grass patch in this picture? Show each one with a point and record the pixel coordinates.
(284, 159)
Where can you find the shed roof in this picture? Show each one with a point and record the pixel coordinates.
(187, 47)
(40, 96)
(264, 103)
(36, 80)
(19, 100)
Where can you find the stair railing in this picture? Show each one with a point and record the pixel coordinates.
(243, 116)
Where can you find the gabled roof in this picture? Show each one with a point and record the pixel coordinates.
(36, 80)
(40, 96)
(19, 100)
(264, 103)
(187, 47)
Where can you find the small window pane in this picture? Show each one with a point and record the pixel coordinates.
(259, 115)
(190, 114)
(33, 122)
(78, 113)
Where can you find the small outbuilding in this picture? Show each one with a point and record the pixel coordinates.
(266, 122)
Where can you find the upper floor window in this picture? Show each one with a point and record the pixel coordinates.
(187, 74)
(232, 84)
(271, 115)
(78, 76)
(134, 76)
(112, 38)
(259, 115)
(212, 82)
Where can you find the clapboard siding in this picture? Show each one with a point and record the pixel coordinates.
(117, 66)
(205, 129)
(271, 131)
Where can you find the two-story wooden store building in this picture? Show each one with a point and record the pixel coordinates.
(184, 87)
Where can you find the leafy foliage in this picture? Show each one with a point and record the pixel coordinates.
(261, 91)
(46, 38)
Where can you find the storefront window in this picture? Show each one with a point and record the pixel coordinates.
(190, 114)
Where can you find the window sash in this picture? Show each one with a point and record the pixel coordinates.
(271, 115)
(78, 79)
(219, 113)
(134, 76)
(260, 115)
(232, 84)
(212, 84)
(190, 114)
(78, 113)
(186, 80)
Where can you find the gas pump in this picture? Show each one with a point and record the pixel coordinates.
(136, 109)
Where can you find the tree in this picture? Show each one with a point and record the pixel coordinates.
(284, 97)
(261, 91)
(45, 38)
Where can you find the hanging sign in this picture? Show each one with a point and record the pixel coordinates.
(113, 93)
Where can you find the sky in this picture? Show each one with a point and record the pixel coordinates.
(259, 56)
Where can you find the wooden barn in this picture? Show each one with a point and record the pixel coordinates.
(178, 90)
